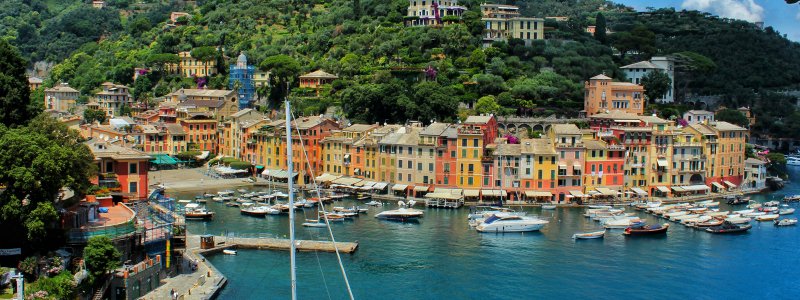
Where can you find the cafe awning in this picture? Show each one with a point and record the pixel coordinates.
(471, 193)
(578, 194)
(690, 188)
(446, 196)
(606, 191)
(493, 193)
(730, 184)
(347, 180)
(663, 189)
(421, 188)
(379, 185)
(399, 187)
(562, 166)
(576, 166)
(326, 177)
(718, 185)
(639, 191)
(537, 194)
(448, 191)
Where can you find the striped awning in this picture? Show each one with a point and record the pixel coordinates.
(446, 196)
(379, 185)
(730, 184)
(347, 180)
(448, 191)
(326, 177)
(663, 189)
(606, 191)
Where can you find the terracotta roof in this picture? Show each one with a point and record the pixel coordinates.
(702, 128)
(435, 129)
(174, 128)
(319, 74)
(62, 88)
(359, 127)
(507, 150)
(594, 144)
(203, 103)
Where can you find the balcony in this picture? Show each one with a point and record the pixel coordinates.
(118, 222)
(107, 180)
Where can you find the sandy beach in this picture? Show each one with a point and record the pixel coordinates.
(194, 179)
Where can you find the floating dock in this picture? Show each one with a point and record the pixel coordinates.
(276, 244)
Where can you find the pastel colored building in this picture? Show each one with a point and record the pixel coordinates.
(316, 80)
(191, 67)
(34, 82)
(538, 160)
(755, 174)
(698, 116)
(636, 71)
(113, 97)
(503, 22)
(61, 97)
(218, 103)
(433, 12)
(568, 140)
(602, 94)
(120, 167)
(201, 133)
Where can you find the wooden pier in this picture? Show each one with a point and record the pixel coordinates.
(276, 244)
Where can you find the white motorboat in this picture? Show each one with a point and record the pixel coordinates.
(257, 211)
(620, 224)
(242, 191)
(754, 214)
(374, 203)
(510, 224)
(401, 214)
(676, 214)
(743, 212)
(771, 217)
(684, 217)
(772, 203)
(229, 252)
(480, 212)
(692, 221)
(785, 222)
(197, 212)
(225, 193)
(709, 204)
(599, 207)
(786, 211)
(548, 206)
(792, 161)
(589, 235)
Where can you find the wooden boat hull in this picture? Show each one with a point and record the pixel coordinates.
(720, 230)
(190, 216)
(634, 232)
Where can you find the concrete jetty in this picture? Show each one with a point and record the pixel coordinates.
(275, 244)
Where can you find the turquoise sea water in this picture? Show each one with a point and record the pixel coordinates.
(440, 257)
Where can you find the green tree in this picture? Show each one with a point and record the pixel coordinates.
(90, 115)
(15, 102)
(283, 69)
(36, 161)
(141, 87)
(477, 59)
(656, 84)
(600, 28)
(101, 257)
(777, 164)
(640, 39)
(732, 116)
(487, 105)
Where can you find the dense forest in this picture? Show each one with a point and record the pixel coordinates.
(389, 72)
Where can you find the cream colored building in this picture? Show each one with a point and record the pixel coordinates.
(61, 97)
(503, 22)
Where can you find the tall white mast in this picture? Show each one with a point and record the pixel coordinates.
(291, 197)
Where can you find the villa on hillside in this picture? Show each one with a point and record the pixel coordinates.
(603, 94)
(636, 71)
(61, 97)
(190, 67)
(433, 12)
(113, 97)
(504, 22)
(316, 80)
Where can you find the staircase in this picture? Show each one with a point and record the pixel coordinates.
(99, 293)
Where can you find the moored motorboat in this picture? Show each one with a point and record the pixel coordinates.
(621, 223)
(786, 211)
(770, 217)
(791, 198)
(256, 211)
(196, 212)
(772, 203)
(692, 221)
(754, 214)
(709, 223)
(646, 229)
(510, 224)
(738, 220)
(229, 252)
(315, 223)
(548, 206)
(589, 235)
(401, 214)
(374, 203)
(785, 222)
(729, 227)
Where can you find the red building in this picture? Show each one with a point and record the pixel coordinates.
(123, 170)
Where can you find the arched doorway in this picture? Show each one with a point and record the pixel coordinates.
(696, 179)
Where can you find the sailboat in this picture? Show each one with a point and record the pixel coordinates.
(291, 190)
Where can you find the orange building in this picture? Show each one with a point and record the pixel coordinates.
(601, 94)
(120, 167)
(201, 132)
(316, 80)
(313, 129)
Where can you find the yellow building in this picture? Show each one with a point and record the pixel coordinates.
(341, 155)
(538, 166)
(189, 67)
(374, 159)
(503, 22)
(469, 153)
(218, 103)
(601, 94)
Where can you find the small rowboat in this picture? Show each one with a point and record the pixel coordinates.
(548, 206)
(709, 223)
(315, 223)
(786, 211)
(785, 222)
(589, 235)
(229, 252)
(647, 230)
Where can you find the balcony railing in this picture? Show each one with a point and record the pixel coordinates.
(82, 235)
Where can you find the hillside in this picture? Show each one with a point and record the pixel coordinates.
(380, 61)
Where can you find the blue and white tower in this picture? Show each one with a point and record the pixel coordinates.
(241, 76)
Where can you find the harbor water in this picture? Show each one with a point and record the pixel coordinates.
(441, 257)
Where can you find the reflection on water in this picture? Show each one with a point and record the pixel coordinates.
(441, 257)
